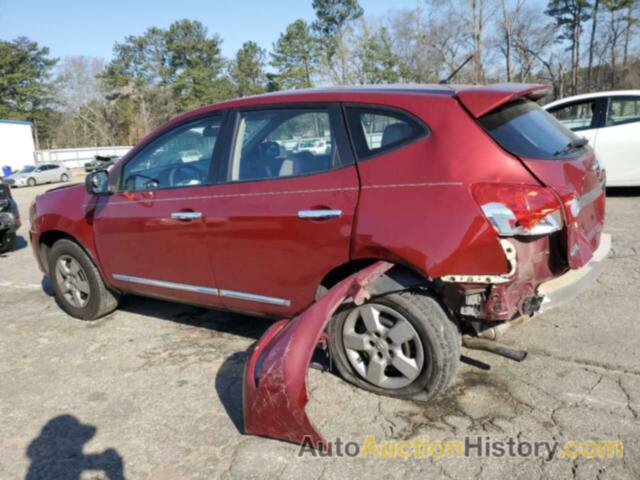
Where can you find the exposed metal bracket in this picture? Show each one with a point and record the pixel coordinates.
(510, 254)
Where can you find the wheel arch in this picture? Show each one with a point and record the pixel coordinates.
(50, 237)
(400, 277)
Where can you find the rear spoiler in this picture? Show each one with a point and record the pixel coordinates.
(480, 100)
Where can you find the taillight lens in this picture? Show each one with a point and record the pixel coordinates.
(519, 209)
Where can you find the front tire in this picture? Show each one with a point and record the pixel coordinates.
(77, 283)
(7, 241)
(31, 182)
(401, 345)
(64, 177)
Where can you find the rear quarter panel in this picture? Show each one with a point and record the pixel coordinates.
(416, 207)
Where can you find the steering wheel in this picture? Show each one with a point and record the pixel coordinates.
(176, 172)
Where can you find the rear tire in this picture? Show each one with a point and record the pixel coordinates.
(32, 182)
(425, 346)
(77, 283)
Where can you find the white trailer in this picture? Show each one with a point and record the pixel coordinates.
(16, 144)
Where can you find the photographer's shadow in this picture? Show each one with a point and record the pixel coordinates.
(57, 453)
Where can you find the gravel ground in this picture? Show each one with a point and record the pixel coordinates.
(154, 390)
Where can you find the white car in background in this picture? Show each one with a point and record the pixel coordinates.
(315, 146)
(611, 123)
(32, 175)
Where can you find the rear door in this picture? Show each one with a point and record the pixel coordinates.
(282, 215)
(619, 141)
(53, 173)
(543, 145)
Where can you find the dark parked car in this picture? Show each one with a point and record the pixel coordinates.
(9, 219)
(487, 207)
(100, 162)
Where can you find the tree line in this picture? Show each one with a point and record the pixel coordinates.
(573, 45)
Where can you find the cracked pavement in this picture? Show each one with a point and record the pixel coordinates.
(154, 389)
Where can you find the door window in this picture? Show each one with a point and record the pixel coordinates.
(179, 158)
(378, 130)
(576, 116)
(283, 143)
(623, 110)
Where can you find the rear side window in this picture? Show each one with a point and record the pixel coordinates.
(282, 142)
(623, 110)
(525, 129)
(378, 130)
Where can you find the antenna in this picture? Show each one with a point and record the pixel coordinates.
(455, 72)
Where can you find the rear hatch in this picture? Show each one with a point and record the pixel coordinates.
(560, 160)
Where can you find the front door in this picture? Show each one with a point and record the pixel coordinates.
(149, 233)
(583, 117)
(282, 217)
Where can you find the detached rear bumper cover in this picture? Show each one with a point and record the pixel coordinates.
(565, 288)
(275, 388)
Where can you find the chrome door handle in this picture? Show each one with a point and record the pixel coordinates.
(319, 214)
(186, 215)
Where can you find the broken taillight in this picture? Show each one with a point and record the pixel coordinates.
(519, 209)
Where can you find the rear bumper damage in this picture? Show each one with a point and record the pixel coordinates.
(565, 288)
(275, 388)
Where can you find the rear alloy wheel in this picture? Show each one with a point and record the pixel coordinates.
(77, 283)
(31, 182)
(382, 346)
(64, 177)
(401, 345)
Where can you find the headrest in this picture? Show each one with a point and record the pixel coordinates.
(394, 133)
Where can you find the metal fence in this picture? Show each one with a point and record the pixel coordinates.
(77, 157)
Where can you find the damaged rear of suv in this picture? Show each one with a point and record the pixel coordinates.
(501, 215)
(433, 217)
(499, 218)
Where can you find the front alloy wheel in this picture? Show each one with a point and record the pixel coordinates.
(72, 281)
(77, 283)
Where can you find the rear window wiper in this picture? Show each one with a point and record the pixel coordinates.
(572, 145)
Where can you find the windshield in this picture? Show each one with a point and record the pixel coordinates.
(526, 130)
(27, 169)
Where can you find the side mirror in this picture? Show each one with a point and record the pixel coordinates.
(97, 183)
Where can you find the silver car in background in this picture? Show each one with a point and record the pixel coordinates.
(31, 175)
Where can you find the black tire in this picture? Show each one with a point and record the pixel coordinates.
(32, 182)
(64, 177)
(7, 242)
(439, 337)
(101, 300)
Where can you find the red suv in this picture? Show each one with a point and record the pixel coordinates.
(488, 208)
